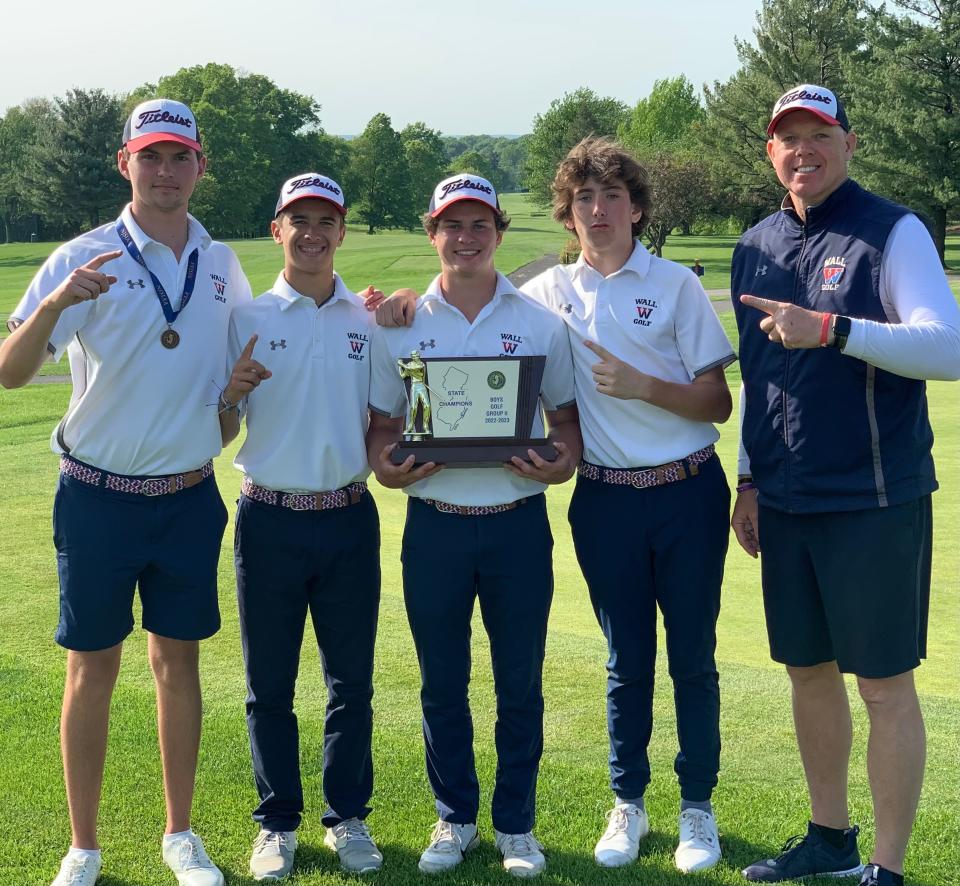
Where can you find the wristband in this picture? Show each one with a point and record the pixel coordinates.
(825, 319)
(744, 487)
(225, 406)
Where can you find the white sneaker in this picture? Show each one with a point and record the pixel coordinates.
(188, 860)
(627, 825)
(272, 857)
(353, 844)
(449, 843)
(699, 846)
(522, 854)
(78, 870)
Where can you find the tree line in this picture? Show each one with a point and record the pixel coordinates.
(897, 71)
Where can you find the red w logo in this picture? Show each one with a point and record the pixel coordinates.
(220, 286)
(509, 347)
(644, 312)
(356, 346)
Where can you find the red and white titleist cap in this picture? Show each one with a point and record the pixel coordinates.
(161, 120)
(816, 99)
(310, 184)
(464, 186)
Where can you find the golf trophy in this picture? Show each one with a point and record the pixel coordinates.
(471, 411)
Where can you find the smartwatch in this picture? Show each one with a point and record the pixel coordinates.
(841, 330)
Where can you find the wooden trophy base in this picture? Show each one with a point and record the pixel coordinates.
(471, 452)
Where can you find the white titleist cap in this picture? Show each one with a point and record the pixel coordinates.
(310, 184)
(161, 120)
(816, 99)
(463, 186)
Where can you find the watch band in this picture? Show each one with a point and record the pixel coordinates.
(841, 331)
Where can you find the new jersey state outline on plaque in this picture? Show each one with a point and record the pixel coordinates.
(471, 398)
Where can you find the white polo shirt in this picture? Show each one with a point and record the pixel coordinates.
(654, 315)
(138, 408)
(307, 423)
(509, 324)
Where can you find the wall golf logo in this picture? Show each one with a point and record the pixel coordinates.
(645, 309)
(220, 284)
(510, 342)
(357, 342)
(833, 270)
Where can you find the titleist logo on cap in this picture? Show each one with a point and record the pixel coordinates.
(299, 183)
(461, 183)
(148, 117)
(802, 95)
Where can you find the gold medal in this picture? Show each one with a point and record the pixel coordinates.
(169, 338)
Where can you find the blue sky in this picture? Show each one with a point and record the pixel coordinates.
(461, 67)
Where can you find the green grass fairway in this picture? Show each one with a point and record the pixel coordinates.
(761, 798)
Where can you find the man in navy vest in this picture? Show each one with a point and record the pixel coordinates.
(843, 311)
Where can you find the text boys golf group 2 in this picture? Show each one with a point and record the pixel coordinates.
(843, 310)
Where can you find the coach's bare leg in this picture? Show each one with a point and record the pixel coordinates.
(84, 717)
(821, 716)
(896, 755)
(176, 673)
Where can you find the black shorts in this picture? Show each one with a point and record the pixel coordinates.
(850, 586)
(109, 543)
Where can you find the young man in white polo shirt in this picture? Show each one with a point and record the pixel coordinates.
(141, 307)
(308, 535)
(649, 511)
(650, 508)
(477, 533)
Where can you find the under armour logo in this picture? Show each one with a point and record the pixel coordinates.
(133, 284)
(567, 308)
(282, 344)
(428, 344)
(761, 271)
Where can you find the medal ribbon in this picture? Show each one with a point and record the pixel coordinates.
(168, 312)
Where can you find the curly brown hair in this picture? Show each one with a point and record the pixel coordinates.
(605, 160)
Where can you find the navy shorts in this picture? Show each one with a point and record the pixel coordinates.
(849, 586)
(108, 543)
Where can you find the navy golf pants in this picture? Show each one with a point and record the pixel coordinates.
(327, 562)
(504, 561)
(641, 549)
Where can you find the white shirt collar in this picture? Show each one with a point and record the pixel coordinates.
(289, 296)
(197, 235)
(638, 263)
(503, 287)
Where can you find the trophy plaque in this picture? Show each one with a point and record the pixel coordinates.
(468, 412)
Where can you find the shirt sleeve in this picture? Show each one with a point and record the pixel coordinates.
(557, 388)
(387, 394)
(922, 338)
(701, 341)
(54, 271)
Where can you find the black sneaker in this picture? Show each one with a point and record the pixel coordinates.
(874, 875)
(809, 856)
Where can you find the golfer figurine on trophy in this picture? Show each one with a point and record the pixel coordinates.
(414, 375)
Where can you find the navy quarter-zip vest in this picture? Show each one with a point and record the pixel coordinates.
(825, 431)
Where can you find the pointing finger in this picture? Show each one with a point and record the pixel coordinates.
(768, 306)
(247, 352)
(102, 259)
(601, 352)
